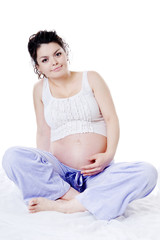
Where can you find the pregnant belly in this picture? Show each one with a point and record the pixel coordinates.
(74, 150)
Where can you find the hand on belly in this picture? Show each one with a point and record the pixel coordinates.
(75, 151)
(98, 162)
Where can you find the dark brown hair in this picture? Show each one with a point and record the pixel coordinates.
(41, 37)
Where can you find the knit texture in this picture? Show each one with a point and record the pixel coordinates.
(77, 114)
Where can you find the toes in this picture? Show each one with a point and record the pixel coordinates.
(33, 202)
(32, 207)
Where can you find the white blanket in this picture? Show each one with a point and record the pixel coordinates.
(141, 220)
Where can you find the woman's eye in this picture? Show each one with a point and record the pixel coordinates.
(58, 54)
(44, 60)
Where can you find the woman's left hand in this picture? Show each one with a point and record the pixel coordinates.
(98, 163)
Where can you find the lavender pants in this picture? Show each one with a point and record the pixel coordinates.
(106, 195)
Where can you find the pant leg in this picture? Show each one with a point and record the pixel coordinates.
(36, 173)
(109, 192)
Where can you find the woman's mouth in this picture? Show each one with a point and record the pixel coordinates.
(57, 69)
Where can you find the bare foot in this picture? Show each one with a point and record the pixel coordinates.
(63, 206)
(41, 204)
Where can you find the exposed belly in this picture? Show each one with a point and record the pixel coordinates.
(74, 150)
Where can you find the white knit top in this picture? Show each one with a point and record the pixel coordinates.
(77, 114)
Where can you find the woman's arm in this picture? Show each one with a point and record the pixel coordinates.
(43, 130)
(105, 102)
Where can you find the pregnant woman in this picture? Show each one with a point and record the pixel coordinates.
(73, 169)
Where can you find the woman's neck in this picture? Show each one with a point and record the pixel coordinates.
(62, 81)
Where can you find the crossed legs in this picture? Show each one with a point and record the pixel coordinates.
(66, 204)
(27, 165)
(106, 196)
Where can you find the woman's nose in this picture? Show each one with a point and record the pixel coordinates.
(54, 61)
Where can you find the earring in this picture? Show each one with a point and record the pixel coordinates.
(68, 60)
(40, 75)
(35, 70)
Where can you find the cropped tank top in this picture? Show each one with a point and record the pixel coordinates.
(79, 113)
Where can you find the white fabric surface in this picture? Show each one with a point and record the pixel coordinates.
(141, 220)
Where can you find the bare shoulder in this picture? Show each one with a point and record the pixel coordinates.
(37, 89)
(93, 74)
(95, 80)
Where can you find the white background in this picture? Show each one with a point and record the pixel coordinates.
(118, 39)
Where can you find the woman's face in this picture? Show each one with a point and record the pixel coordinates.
(52, 60)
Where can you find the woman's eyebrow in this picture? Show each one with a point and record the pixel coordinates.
(57, 50)
(47, 56)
